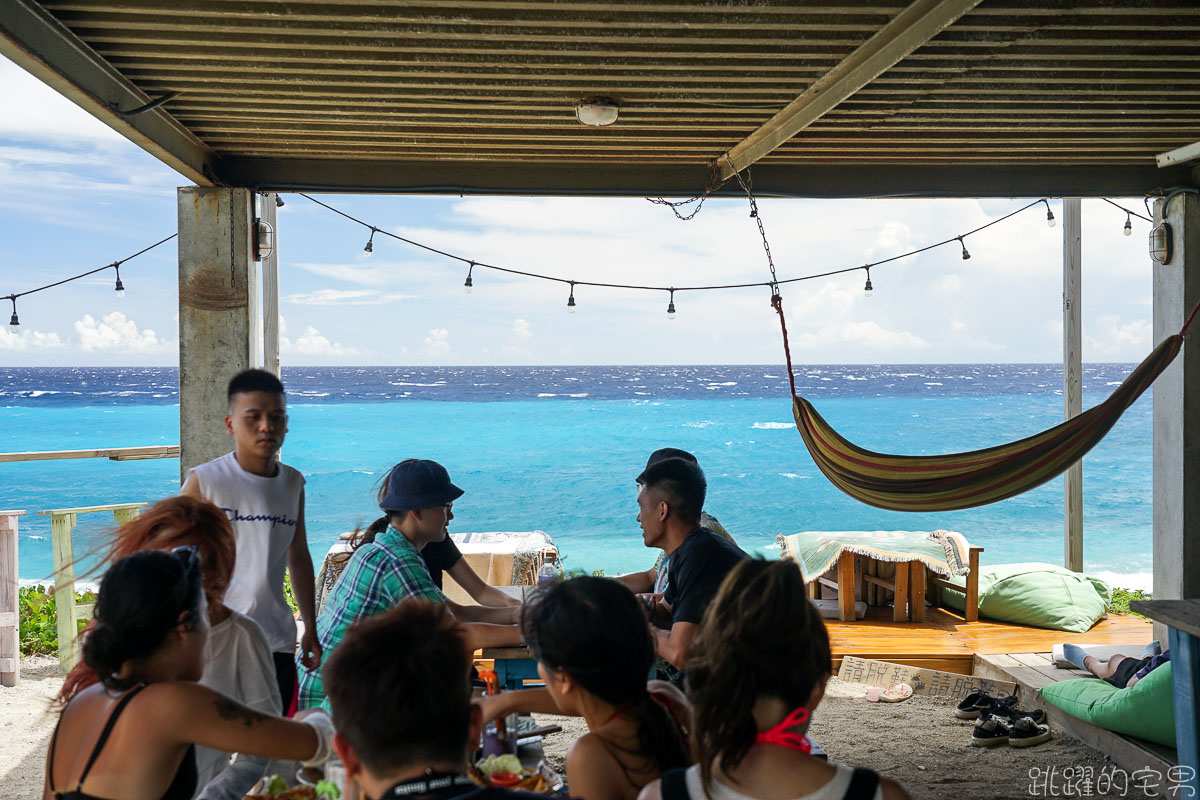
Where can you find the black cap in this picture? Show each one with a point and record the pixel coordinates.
(663, 454)
(418, 483)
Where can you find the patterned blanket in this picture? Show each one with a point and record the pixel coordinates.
(817, 552)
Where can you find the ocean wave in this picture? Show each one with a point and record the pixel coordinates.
(578, 394)
(405, 383)
(726, 383)
(547, 394)
(932, 383)
(771, 426)
(703, 424)
(793, 475)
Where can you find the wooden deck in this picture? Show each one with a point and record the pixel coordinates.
(947, 642)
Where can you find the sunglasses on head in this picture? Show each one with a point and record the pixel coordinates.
(189, 554)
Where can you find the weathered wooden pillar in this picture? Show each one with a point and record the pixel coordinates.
(10, 626)
(1073, 375)
(1177, 411)
(218, 302)
(270, 288)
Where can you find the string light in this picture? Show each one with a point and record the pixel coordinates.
(1128, 229)
(965, 254)
(468, 283)
(571, 300)
(868, 288)
(370, 242)
(115, 265)
(1049, 214)
(671, 305)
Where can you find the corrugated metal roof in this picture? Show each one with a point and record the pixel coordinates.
(283, 89)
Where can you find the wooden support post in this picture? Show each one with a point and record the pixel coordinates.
(1073, 376)
(916, 591)
(845, 586)
(971, 612)
(1185, 666)
(268, 212)
(10, 624)
(64, 586)
(218, 302)
(900, 599)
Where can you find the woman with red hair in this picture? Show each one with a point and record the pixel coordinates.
(237, 656)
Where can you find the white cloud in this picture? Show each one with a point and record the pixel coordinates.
(1111, 338)
(346, 297)
(378, 274)
(37, 112)
(28, 340)
(312, 343)
(867, 334)
(517, 345)
(117, 333)
(437, 344)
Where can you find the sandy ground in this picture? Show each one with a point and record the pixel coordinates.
(918, 742)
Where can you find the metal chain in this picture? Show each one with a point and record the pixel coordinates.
(714, 183)
(746, 185)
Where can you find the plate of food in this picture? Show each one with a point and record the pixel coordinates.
(276, 788)
(508, 772)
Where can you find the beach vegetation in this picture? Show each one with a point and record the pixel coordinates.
(288, 594)
(1122, 597)
(38, 615)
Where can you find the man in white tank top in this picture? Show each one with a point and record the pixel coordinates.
(264, 500)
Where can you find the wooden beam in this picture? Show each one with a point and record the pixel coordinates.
(114, 453)
(1179, 155)
(911, 28)
(43, 46)
(1073, 375)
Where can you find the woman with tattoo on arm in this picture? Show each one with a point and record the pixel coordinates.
(132, 735)
(237, 655)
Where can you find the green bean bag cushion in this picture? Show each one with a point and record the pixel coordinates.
(1146, 711)
(1041, 595)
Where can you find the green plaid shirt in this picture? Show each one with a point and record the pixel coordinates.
(377, 577)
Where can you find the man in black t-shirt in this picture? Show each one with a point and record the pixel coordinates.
(404, 717)
(669, 501)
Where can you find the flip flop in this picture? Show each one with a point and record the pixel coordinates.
(874, 693)
(896, 693)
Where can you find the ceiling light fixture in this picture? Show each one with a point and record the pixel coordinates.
(597, 111)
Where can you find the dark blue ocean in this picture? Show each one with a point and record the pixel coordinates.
(557, 449)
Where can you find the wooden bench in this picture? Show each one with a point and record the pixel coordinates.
(857, 577)
(62, 522)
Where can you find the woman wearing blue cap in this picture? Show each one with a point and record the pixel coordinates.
(387, 568)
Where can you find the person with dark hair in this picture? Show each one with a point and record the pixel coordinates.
(401, 701)
(670, 498)
(133, 734)
(264, 501)
(387, 568)
(237, 658)
(439, 557)
(594, 651)
(755, 676)
(654, 580)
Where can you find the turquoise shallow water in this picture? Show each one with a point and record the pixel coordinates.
(566, 466)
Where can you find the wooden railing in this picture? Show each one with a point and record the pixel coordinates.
(62, 522)
(10, 623)
(111, 453)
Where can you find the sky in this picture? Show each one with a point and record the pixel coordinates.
(75, 195)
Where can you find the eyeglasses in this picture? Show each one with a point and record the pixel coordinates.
(189, 554)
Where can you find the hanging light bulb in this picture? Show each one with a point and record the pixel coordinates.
(571, 300)
(671, 306)
(868, 288)
(370, 243)
(468, 283)
(1128, 229)
(279, 202)
(965, 254)
(13, 321)
(1049, 215)
(120, 287)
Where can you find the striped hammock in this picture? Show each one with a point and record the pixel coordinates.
(966, 480)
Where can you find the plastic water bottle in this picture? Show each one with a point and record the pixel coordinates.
(547, 573)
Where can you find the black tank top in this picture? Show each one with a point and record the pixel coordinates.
(182, 787)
